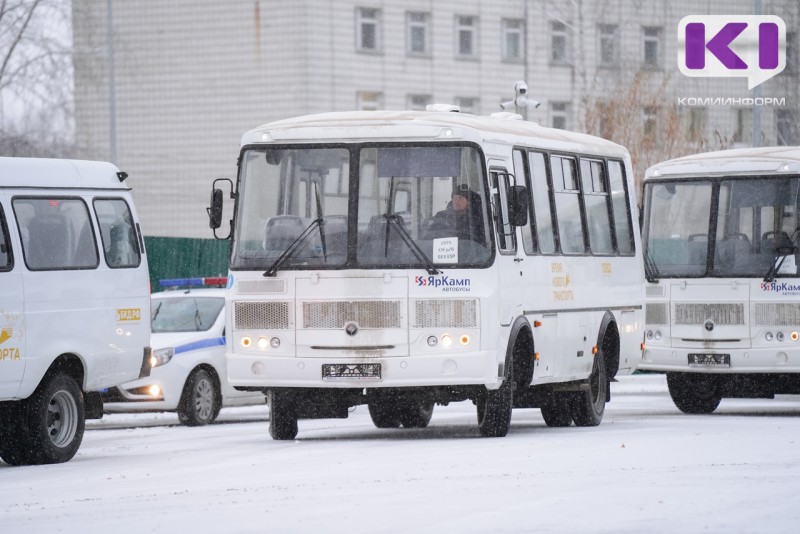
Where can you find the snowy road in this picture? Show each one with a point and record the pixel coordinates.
(646, 468)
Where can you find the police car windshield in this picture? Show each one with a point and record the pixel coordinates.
(185, 314)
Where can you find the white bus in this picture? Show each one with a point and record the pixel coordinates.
(398, 259)
(75, 306)
(723, 293)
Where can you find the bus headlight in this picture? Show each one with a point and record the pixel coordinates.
(274, 342)
(650, 335)
(247, 342)
(446, 341)
(161, 356)
(768, 336)
(464, 339)
(657, 335)
(432, 341)
(780, 336)
(263, 343)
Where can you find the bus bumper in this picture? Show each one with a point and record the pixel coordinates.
(426, 370)
(753, 360)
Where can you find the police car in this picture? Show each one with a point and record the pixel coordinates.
(188, 363)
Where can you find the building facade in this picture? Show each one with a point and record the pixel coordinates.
(166, 89)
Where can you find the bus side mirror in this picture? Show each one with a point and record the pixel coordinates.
(518, 205)
(215, 209)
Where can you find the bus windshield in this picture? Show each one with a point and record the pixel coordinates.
(361, 206)
(722, 227)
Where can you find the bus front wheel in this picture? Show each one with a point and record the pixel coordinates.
(494, 410)
(693, 393)
(282, 416)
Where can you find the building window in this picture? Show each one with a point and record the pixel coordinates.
(786, 126)
(559, 115)
(608, 45)
(418, 33)
(559, 42)
(368, 29)
(467, 104)
(652, 47)
(697, 123)
(513, 39)
(418, 102)
(369, 101)
(744, 127)
(466, 38)
(649, 116)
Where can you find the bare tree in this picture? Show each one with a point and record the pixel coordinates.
(35, 78)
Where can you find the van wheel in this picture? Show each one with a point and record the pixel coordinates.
(200, 401)
(416, 414)
(383, 413)
(588, 406)
(693, 393)
(282, 416)
(494, 410)
(55, 422)
(558, 413)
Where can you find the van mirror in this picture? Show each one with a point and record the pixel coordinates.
(215, 209)
(518, 205)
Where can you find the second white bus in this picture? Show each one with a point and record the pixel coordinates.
(402, 259)
(723, 298)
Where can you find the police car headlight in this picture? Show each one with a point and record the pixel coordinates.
(161, 356)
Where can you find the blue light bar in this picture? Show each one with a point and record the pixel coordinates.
(194, 282)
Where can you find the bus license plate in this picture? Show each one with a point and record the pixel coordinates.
(709, 360)
(351, 371)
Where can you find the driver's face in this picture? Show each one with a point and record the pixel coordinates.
(459, 203)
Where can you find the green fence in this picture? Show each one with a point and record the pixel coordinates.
(180, 257)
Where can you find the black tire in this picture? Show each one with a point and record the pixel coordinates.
(589, 406)
(13, 435)
(558, 412)
(201, 399)
(282, 416)
(693, 393)
(494, 410)
(383, 413)
(47, 427)
(416, 414)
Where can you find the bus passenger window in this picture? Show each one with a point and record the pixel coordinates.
(620, 208)
(595, 198)
(540, 189)
(570, 227)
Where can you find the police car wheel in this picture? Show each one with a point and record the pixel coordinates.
(200, 401)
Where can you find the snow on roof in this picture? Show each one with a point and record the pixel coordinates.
(58, 173)
(762, 160)
(426, 125)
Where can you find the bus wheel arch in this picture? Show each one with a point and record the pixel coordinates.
(520, 361)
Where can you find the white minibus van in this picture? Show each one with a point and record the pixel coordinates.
(74, 301)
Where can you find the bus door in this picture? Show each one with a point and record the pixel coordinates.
(510, 270)
(12, 318)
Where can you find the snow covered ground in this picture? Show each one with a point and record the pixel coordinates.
(646, 468)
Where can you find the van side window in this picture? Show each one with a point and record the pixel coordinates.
(56, 233)
(6, 259)
(118, 233)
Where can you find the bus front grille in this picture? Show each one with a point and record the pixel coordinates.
(365, 313)
(776, 314)
(656, 313)
(719, 313)
(254, 315)
(452, 313)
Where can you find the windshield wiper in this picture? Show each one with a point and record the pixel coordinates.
(781, 252)
(319, 222)
(397, 221)
(294, 247)
(650, 268)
